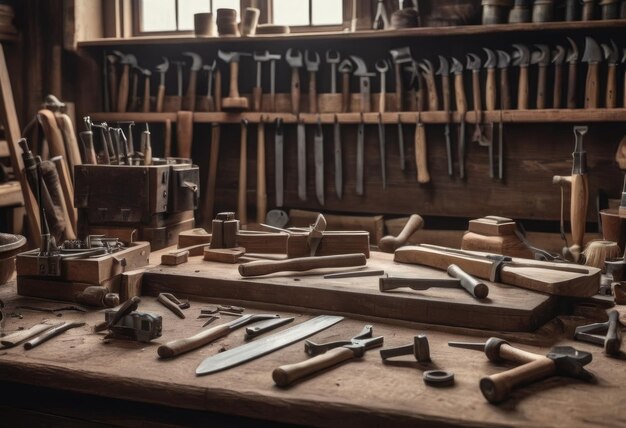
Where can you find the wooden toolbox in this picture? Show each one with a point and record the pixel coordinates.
(152, 203)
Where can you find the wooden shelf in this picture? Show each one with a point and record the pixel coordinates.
(370, 34)
(428, 117)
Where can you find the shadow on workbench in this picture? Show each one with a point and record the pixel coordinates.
(26, 405)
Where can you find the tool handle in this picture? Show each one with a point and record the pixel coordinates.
(190, 97)
(445, 89)
(476, 288)
(146, 96)
(312, 93)
(490, 90)
(591, 86)
(284, 375)
(52, 133)
(243, 176)
(86, 137)
(171, 306)
(184, 133)
(459, 94)
(257, 95)
(558, 86)
(505, 92)
(398, 77)
(180, 346)
(122, 95)
(49, 334)
(571, 86)
(295, 90)
(345, 93)
(209, 201)
(261, 186)
(234, 80)
(160, 98)
(388, 244)
(541, 87)
(476, 96)
(611, 87)
(16, 338)
(263, 267)
(433, 99)
(578, 207)
(217, 90)
(421, 157)
(522, 89)
(496, 387)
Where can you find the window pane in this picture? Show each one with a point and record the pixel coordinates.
(327, 12)
(186, 10)
(158, 15)
(291, 12)
(227, 4)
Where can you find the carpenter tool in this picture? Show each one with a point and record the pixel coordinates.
(476, 288)
(364, 85)
(474, 64)
(318, 147)
(333, 58)
(558, 57)
(138, 326)
(261, 185)
(592, 56)
(210, 69)
(161, 69)
(542, 59)
(364, 82)
(337, 150)
(257, 92)
(461, 107)
(279, 161)
(382, 67)
(312, 66)
(273, 58)
(265, 345)
(428, 72)
(400, 57)
(572, 61)
(146, 146)
(127, 307)
(444, 72)
(560, 361)
(389, 244)
(243, 174)
(331, 356)
(180, 346)
(301, 142)
(521, 59)
(265, 326)
(316, 233)
(18, 337)
(233, 101)
(382, 150)
(189, 102)
(345, 68)
(294, 59)
(419, 349)
(127, 61)
(354, 274)
(611, 55)
(606, 334)
(145, 107)
(173, 304)
(504, 60)
(263, 267)
(178, 105)
(50, 333)
(579, 183)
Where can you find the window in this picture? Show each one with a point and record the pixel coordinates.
(307, 12)
(177, 15)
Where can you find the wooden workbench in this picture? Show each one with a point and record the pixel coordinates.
(360, 393)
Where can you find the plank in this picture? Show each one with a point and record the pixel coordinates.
(507, 309)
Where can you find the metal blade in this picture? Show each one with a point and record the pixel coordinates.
(318, 143)
(360, 154)
(280, 168)
(338, 159)
(266, 345)
(381, 143)
(301, 161)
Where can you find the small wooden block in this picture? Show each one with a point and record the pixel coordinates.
(217, 234)
(225, 216)
(240, 103)
(223, 255)
(231, 228)
(496, 226)
(131, 284)
(175, 258)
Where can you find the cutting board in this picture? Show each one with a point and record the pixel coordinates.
(506, 309)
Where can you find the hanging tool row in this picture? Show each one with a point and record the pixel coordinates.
(115, 147)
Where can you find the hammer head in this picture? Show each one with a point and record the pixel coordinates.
(504, 59)
(491, 58)
(261, 56)
(611, 53)
(558, 56)
(572, 53)
(401, 55)
(231, 56)
(361, 67)
(473, 62)
(521, 55)
(294, 58)
(164, 66)
(570, 362)
(542, 56)
(129, 59)
(196, 60)
(457, 66)
(444, 67)
(593, 53)
(426, 66)
(311, 64)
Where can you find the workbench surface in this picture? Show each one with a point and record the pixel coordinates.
(364, 392)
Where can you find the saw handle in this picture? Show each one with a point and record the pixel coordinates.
(284, 375)
(522, 89)
(497, 387)
(476, 288)
(295, 90)
(180, 346)
(388, 244)
(591, 86)
(263, 267)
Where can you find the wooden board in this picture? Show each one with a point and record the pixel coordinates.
(506, 309)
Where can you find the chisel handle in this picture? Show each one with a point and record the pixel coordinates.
(263, 267)
(180, 346)
(505, 92)
(522, 89)
(421, 155)
(578, 207)
(497, 387)
(591, 86)
(284, 375)
(122, 95)
(490, 90)
(295, 90)
(234, 80)
(611, 87)
(459, 93)
(473, 286)
(541, 87)
(388, 244)
(476, 96)
(571, 85)
(160, 98)
(433, 100)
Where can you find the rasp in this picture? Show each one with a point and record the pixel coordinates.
(266, 345)
(301, 161)
(360, 155)
(338, 158)
(318, 146)
(278, 156)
